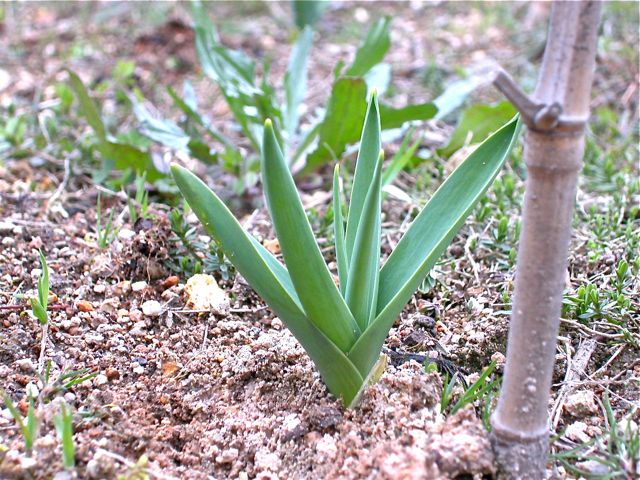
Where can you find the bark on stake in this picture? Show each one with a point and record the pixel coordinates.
(556, 117)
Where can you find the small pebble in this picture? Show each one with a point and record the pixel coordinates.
(112, 374)
(32, 390)
(499, 358)
(126, 234)
(138, 286)
(84, 306)
(139, 370)
(101, 379)
(227, 456)
(151, 308)
(6, 227)
(101, 288)
(26, 365)
(171, 281)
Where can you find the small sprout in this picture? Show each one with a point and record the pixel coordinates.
(63, 422)
(39, 305)
(28, 425)
(106, 233)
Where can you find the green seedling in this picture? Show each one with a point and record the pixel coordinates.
(192, 255)
(63, 423)
(140, 201)
(343, 327)
(63, 382)
(39, 305)
(105, 234)
(28, 425)
(483, 389)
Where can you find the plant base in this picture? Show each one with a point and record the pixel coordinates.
(518, 458)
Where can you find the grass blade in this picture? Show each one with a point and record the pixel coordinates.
(295, 80)
(43, 282)
(271, 281)
(362, 284)
(314, 285)
(428, 236)
(366, 163)
(63, 423)
(338, 232)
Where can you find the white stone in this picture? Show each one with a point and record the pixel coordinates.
(26, 365)
(577, 432)
(151, 308)
(126, 234)
(203, 293)
(581, 403)
(327, 446)
(138, 286)
(32, 390)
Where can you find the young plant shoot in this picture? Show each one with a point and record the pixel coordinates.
(39, 307)
(343, 327)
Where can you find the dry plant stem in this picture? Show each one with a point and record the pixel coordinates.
(43, 347)
(553, 156)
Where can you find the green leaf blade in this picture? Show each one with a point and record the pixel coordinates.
(428, 236)
(307, 12)
(314, 285)
(362, 284)
(476, 123)
(366, 163)
(342, 123)
(373, 49)
(396, 117)
(43, 281)
(88, 108)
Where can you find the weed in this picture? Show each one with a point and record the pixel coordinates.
(105, 233)
(63, 422)
(615, 454)
(28, 425)
(483, 390)
(140, 201)
(190, 255)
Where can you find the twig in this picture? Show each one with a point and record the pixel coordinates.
(467, 251)
(62, 186)
(611, 359)
(26, 307)
(575, 371)
(43, 347)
